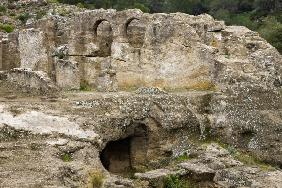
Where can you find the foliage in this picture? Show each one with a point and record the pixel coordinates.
(23, 17)
(66, 157)
(40, 14)
(174, 181)
(7, 28)
(52, 1)
(3, 8)
(183, 157)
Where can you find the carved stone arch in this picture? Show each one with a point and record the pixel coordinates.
(103, 33)
(134, 31)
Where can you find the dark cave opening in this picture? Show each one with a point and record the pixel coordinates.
(116, 156)
(126, 155)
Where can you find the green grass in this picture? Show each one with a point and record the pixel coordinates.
(7, 28)
(66, 157)
(251, 160)
(23, 17)
(174, 181)
(246, 158)
(183, 157)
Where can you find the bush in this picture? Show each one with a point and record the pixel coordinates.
(273, 35)
(23, 17)
(7, 28)
(3, 8)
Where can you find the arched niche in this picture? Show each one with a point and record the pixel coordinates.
(103, 34)
(135, 32)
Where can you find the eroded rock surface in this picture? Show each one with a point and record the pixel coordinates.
(153, 87)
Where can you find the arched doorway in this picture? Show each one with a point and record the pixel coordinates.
(104, 37)
(135, 32)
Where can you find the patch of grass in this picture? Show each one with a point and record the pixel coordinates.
(85, 86)
(183, 157)
(40, 14)
(246, 158)
(174, 181)
(95, 179)
(7, 28)
(23, 17)
(66, 157)
(251, 160)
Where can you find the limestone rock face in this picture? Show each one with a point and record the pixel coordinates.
(159, 85)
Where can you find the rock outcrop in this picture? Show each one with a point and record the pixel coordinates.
(158, 86)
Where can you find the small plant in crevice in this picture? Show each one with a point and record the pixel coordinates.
(66, 157)
(23, 17)
(174, 181)
(85, 86)
(182, 157)
(95, 179)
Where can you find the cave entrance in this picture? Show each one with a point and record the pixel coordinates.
(125, 156)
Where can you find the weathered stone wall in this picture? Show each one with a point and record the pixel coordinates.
(30, 81)
(32, 51)
(10, 51)
(129, 49)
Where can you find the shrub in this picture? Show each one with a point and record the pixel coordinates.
(7, 28)
(3, 8)
(23, 17)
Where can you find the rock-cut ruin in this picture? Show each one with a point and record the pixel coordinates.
(105, 95)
